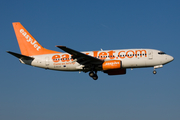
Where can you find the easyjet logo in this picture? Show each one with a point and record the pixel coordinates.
(30, 40)
(63, 58)
(112, 63)
(131, 54)
(105, 55)
(120, 54)
(56, 58)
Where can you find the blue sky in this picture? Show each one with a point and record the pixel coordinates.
(28, 93)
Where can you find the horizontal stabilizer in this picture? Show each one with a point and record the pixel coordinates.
(20, 56)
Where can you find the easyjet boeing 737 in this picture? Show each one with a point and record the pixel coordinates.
(112, 62)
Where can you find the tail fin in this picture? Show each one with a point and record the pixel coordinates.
(28, 45)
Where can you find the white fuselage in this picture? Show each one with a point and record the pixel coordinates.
(131, 58)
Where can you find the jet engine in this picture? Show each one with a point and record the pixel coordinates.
(113, 67)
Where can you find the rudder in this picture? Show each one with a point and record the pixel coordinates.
(27, 43)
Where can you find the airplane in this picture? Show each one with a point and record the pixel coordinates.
(111, 62)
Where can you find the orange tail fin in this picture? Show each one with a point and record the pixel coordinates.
(28, 45)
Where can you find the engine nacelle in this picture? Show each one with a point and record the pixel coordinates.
(115, 72)
(113, 67)
(110, 65)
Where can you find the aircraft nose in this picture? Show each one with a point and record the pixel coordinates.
(170, 58)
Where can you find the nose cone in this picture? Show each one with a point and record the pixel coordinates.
(170, 58)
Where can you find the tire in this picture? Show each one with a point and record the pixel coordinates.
(154, 72)
(95, 77)
(91, 74)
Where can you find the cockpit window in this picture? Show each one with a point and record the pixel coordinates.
(161, 53)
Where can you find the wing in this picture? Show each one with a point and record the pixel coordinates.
(81, 58)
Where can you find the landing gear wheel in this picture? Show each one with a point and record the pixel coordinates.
(91, 74)
(154, 72)
(95, 77)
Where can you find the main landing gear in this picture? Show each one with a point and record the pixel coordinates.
(93, 75)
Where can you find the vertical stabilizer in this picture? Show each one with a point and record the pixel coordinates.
(27, 43)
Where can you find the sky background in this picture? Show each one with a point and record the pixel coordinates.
(29, 93)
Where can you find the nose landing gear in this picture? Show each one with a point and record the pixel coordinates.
(154, 72)
(158, 66)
